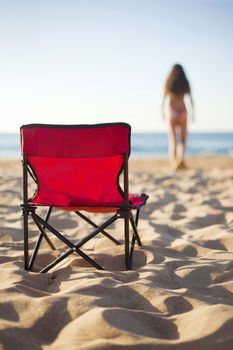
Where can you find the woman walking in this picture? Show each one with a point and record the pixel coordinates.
(175, 90)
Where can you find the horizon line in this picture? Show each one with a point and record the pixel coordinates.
(152, 132)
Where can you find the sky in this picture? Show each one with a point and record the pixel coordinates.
(94, 61)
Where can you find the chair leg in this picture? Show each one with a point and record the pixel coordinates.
(81, 243)
(84, 217)
(135, 231)
(135, 236)
(45, 235)
(38, 243)
(35, 251)
(73, 248)
(126, 230)
(66, 254)
(25, 225)
(137, 216)
(39, 222)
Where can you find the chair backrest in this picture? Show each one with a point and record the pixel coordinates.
(77, 165)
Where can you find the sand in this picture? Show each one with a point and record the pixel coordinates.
(179, 294)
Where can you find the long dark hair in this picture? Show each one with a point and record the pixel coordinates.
(176, 82)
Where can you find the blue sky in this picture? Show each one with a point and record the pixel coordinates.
(91, 61)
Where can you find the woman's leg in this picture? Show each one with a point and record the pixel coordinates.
(183, 131)
(172, 141)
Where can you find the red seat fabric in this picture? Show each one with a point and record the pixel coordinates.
(77, 182)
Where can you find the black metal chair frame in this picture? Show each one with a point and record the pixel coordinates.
(124, 212)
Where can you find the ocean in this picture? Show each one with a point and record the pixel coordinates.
(149, 145)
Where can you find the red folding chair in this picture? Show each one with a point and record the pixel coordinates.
(77, 168)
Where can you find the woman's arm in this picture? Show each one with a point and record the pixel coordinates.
(192, 104)
(192, 111)
(163, 106)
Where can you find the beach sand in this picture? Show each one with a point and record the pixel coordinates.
(179, 294)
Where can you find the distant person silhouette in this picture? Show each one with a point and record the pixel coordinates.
(175, 89)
